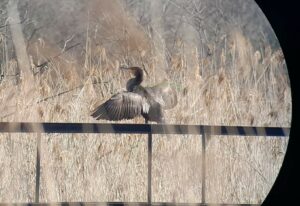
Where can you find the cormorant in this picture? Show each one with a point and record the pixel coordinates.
(148, 102)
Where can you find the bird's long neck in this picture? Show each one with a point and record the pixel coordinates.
(139, 75)
(137, 80)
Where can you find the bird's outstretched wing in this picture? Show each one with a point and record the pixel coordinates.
(164, 94)
(124, 105)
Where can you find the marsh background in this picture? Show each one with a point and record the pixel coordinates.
(221, 56)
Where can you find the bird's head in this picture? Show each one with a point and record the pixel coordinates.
(136, 71)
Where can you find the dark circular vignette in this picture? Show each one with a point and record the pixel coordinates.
(283, 18)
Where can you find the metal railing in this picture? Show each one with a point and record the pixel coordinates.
(203, 130)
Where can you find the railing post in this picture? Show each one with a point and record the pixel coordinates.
(149, 167)
(203, 169)
(38, 168)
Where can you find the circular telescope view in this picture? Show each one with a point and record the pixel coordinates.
(208, 77)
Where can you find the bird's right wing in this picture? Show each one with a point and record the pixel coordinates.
(164, 94)
(124, 105)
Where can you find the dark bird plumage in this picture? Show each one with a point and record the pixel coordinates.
(148, 102)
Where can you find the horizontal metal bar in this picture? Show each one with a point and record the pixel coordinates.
(121, 204)
(33, 127)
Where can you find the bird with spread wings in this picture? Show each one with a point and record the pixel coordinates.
(137, 100)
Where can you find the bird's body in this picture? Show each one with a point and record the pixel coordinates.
(148, 102)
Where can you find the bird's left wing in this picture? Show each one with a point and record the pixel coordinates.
(124, 105)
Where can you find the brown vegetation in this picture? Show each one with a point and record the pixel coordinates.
(247, 87)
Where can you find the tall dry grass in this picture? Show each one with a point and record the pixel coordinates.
(247, 87)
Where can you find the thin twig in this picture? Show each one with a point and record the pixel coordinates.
(49, 59)
(68, 91)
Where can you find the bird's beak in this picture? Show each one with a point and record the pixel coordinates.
(123, 67)
(130, 69)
